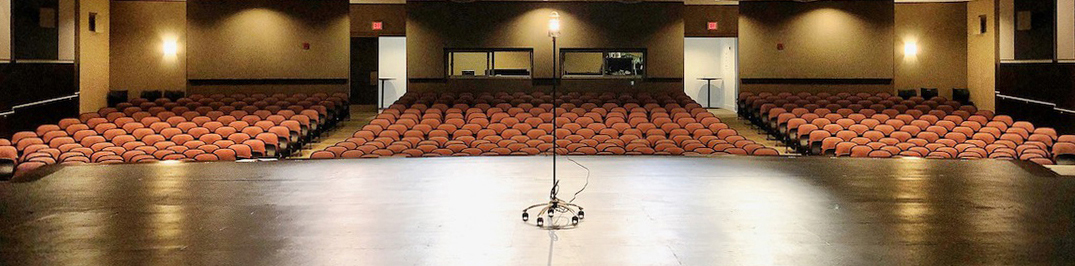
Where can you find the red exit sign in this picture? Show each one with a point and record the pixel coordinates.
(712, 25)
(377, 25)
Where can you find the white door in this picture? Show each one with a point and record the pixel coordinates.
(392, 63)
(716, 58)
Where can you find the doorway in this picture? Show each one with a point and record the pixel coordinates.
(392, 67)
(711, 71)
(364, 70)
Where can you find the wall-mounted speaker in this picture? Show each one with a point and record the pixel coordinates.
(983, 24)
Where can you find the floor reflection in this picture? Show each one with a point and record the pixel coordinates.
(640, 210)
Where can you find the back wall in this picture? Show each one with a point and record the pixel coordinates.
(434, 26)
(262, 43)
(828, 45)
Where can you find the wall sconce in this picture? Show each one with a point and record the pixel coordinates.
(554, 25)
(171, 48)
(910, 49)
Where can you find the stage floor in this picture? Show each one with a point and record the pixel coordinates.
(451, 211)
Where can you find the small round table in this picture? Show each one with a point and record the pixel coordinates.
(708, 89)
(383, 80)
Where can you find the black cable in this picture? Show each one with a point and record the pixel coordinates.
(584, 185)
(553, 191)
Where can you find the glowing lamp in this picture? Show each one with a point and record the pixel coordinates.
(554, 25)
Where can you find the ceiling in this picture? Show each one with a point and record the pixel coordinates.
(688, 2)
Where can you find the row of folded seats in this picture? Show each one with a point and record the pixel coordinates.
(473, 124)
(882, 126)
(197, 128)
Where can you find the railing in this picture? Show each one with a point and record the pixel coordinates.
(1053, 105)
(17, 107)
(1008, 97)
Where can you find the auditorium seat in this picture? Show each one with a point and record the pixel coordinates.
(818, 125)
(501, 123)
(144, 130)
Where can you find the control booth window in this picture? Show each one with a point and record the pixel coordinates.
(505, 62)
(603, 63)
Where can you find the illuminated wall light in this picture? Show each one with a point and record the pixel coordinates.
(910, 49)
(554, 24)
(171, 48)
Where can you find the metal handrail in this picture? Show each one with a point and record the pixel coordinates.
(1062, 110)
(13, 108)
(1002, 96)
(1053, 105)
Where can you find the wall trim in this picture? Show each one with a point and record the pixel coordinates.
(717, 35)
(322, 81)
(818, 81)
(549, 81)
(427, 80)
(41, 61)
(1036, 61)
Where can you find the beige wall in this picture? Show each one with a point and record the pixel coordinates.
(981, 54)
(93, 56)
(266, 88)
(658, 27)
(139, 31)
(939, 32)
(853, 46)
(822, 40)
(263, 39)
(5, 30)
(393, 18)
(696, 20)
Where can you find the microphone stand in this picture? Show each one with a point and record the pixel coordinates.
(555, 204)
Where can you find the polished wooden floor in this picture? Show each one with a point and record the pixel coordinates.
(466, 211)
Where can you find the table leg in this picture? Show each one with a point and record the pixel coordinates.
(708, 92)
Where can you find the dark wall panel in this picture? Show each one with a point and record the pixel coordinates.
(23, 83)
(1038, 41)
(29, 118)
(1052, 83)
(27, 83)
(1040, 115)
(364, 64)
(30, 40)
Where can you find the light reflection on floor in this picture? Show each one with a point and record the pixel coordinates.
(449, 211)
